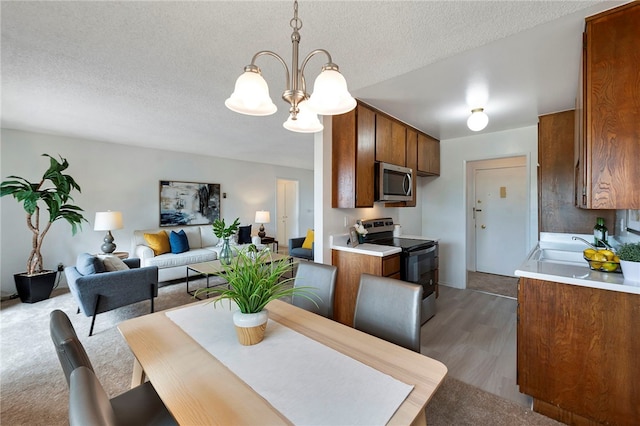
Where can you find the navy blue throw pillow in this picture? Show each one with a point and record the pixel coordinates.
(178, 241)
(244, 234)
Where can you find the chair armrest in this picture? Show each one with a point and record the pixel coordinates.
(117, 288)
(132, 262)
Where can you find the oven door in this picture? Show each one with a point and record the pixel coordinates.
(419, 266)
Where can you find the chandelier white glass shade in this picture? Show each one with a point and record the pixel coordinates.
(478, 120)
(330, 94)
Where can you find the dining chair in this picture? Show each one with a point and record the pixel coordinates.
(389, 309)
(88, 402)
(322, 280)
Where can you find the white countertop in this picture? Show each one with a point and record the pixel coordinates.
(571, 272)
(339, 242)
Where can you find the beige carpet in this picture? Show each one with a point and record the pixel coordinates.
(34, 391)
(493, 284)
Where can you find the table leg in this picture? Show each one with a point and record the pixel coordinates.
(138, 376)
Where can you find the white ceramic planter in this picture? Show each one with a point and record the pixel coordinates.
(630, 270)
(250, 328)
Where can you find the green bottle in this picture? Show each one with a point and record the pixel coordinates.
(600, 233)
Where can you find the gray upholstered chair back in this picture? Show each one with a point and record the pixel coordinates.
(389, 309)
(70, 351)
(89, 404)
(323, 280)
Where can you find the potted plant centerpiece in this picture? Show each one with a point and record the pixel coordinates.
(224, 232)
(53, 190)
(254, 279)
(629, 255)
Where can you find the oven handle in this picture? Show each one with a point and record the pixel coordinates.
(423, 251)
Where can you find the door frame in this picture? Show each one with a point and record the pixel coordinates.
(469, 202)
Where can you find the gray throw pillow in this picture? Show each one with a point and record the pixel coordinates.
(88, 264)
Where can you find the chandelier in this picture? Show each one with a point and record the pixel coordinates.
(330, 95)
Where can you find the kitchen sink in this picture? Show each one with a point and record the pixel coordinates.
(561, 256)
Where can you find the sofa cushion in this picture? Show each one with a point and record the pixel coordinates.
(170, 260)
(308, 241)
(178, 241)
(159, 242)
(300, 252)
(88, 264)
(244, 234)
(113, 263)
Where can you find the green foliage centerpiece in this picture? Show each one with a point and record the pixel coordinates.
(254, 279)
(629, 255)
(221, 230)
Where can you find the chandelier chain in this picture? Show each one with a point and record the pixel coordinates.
(295, 23)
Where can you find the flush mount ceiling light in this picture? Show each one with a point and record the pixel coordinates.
(478, 120)
(330, 95)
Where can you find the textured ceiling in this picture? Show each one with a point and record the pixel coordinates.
(156, 74)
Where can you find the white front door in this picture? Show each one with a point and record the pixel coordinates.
(287, 211)
(500, 219)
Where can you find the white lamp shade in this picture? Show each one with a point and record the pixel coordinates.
(478, 120)
(251, 96)
(108, 221)
(330, 95)
(262, 216)
(306, 120)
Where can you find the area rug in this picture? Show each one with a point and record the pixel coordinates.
(34, 390)
(493, 284)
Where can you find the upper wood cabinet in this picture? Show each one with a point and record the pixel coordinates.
(428, 156)
(412, 163)
(556, 209)
(608, 107)
(353, 157)
(391, 139)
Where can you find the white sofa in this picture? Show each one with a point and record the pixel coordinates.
(203, 247)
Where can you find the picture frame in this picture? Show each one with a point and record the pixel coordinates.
(188, 203)
(353, 236)
(633, 221)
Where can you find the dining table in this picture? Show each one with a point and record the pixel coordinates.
(196, 367)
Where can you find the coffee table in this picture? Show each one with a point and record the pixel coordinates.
(215, 268)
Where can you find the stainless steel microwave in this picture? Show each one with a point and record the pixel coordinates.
(393, 183)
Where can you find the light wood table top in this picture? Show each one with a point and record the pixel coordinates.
(199, 389)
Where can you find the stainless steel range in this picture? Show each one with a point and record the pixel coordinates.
(419, 259)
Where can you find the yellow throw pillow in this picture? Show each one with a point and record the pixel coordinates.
(308, 241)
(159, 242)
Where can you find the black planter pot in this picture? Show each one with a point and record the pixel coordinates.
(35, 288)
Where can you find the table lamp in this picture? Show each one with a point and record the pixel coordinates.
(262, 217)
(108, 221)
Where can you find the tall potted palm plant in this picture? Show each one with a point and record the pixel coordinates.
(52, 191)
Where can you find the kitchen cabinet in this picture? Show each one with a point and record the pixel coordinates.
(608, 131)
(556, 209)
(350, 266)
(353, 158)
(412, 163)
(391, 137)
(428, 156)
(577, 352)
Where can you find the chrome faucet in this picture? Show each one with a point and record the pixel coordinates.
(585, 241)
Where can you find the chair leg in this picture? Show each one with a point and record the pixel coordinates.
(95, 313)
(152, 288)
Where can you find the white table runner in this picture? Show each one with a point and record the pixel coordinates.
(306, 381)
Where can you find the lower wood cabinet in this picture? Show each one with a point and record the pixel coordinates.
(579, 352)
(350, 267)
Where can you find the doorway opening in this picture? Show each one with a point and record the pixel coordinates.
(497, 204)
(287, 212)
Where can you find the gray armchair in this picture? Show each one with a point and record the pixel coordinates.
(104, 291)
(296, 250)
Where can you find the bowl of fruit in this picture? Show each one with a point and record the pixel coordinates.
(602, 260)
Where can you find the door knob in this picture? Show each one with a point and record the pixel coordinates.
(483, 227)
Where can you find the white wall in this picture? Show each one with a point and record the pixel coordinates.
(125, 178)
(443, 199)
